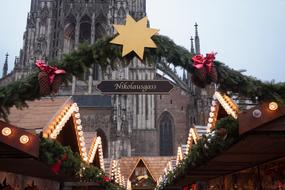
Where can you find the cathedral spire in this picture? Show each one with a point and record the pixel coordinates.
(192, 45)
(5, 67)
(197, 40)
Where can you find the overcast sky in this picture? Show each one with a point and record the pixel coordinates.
(247, 34)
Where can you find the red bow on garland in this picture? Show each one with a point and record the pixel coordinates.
(200, 61)
(106, 179)
(52, 71)
(55, 168)
(204, 70)
(50, 78)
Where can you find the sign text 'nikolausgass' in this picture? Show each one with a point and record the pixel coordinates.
(135, 87)
(132, 86)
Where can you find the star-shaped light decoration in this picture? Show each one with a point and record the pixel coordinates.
(134, 36)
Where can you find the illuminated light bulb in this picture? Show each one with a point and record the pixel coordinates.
(56, 131)
(52, 126)
(6, 131)
(210, 120)
(84, 153)
(211, 114)
(80, 133)
(45, 135)
(77, 115)
(79, 127)
(68, 114)
(48, 131)
(78, 121)
(65, 117)
(60, 126)
(53, 136)
(227, 108)
(76, 109)
(273, 106)
(213, 108)
(24, 139)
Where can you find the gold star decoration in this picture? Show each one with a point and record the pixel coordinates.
(134, 36)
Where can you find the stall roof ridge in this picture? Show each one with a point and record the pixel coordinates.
(39, 113)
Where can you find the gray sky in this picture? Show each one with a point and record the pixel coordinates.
(247, 34)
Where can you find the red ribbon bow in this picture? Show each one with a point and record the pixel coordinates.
(106, 179)
(55, 168)
(52, 71)
(200, 61)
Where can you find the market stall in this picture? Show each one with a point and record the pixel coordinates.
(253, 160)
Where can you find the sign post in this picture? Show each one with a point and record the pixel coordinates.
(135, 87)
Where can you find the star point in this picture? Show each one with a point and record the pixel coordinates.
(134, 36)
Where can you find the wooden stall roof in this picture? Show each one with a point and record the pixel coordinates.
(38, 114)
(21, 158)
(155, 165)
(11, 147)
(257, 145)
(51, 116)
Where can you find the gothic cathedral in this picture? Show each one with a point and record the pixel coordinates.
(129, 125)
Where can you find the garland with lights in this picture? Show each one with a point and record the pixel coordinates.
(108, 55)
(207, 147)
(63, 161)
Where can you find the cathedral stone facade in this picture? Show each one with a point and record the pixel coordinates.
(130, 125)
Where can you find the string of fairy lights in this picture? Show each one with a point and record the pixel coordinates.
(55, 127)
(96, 146)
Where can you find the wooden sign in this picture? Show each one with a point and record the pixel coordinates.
(135, 87)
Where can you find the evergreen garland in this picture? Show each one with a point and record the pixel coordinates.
(72, 165)
(108, 55)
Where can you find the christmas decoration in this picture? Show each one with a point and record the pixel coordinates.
(44, 83)
(134, 36)
(204, 70)
(56, 166)
(63, 161)
(49, 78)
(106, 54)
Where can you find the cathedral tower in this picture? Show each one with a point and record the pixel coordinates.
(5, 66)
(197, 40)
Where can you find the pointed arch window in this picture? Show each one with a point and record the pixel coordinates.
(69, 34)
(85, 29)
(166, 134)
